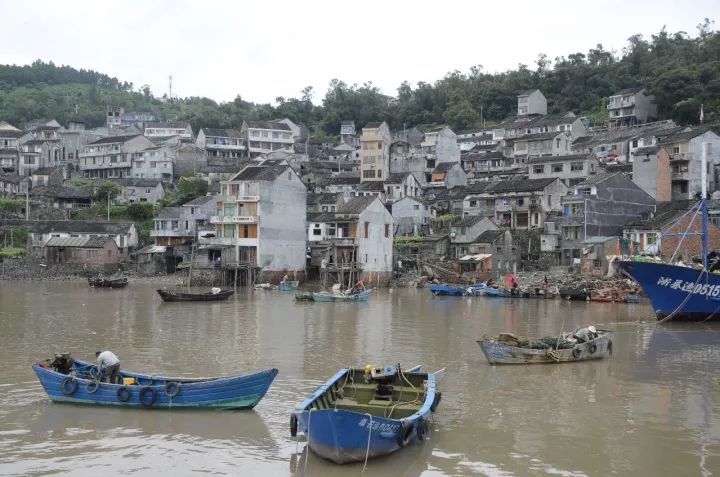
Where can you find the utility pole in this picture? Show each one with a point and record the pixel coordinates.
(108, 207)
(27, 205)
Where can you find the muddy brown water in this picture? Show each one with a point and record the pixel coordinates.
(652, 409)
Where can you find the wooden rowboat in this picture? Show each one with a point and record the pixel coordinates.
(332, 297)
(355, 416)
(289, 285)
(499, 353)
(170, 295)
(101, 282)
(77, 383)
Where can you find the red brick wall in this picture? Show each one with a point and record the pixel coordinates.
(664, 177)
(691, 246)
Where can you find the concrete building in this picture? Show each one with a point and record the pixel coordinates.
(600, 207)
(465, 232)
(440, 146)
(553, 143)
(401, 184)
(10, 149)
(685, 159)
(154, 163)
(651, 172)
(93, 252)
(158, 130)
(631, 106)
(373, 232)
(40, 233)
(13, 185)
(531, 102)
(263, 137)
(490, 255)
(570, 169)
(227, 143)
(40, 147)
(139, 190)
(111, 157)
(375, 152)
(449, 175)
(73, 140)
(260, 218)
(411, 216)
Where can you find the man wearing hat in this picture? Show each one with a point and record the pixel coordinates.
(108, 361)
(584, 335)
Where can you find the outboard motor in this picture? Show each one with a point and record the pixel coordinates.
(384, 377)
(63, 363)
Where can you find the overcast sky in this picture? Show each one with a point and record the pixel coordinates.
(264, 49)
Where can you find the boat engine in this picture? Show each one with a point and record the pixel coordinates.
(63, 363)
(384, 377)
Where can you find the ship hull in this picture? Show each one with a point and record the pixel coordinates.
(685, 293)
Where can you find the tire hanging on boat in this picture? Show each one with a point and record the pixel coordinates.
(68, 386)
(92, 386)
(147, 396)
(422, 429)
(293, 425)
(436, 401)
(592, 349)
(172, 389)
(123, 394)
(610, 347)
(576, 353)
(406, 432)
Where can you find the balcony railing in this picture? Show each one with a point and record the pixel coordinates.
(681, 176)
(681, 156)
(234, 219)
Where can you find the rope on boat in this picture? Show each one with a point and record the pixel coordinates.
(367, 451)
(307, 446)
(684, 302)
(690, 223)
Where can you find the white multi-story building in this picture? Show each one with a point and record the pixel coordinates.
(221, 143)
(531, 102)
(183, 130)
(375, 152)
(263, 137)
(631, 106)
(112, 157)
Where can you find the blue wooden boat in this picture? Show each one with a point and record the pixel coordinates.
(358, 414)
(330, 297)
(75, 381)
(288, 285)
(444, 289)
(496, 292)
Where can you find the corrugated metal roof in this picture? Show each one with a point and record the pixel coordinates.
(66, 242)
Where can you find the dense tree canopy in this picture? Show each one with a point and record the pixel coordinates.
(681, 70)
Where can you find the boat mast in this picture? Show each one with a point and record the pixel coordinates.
(703, 205)
(192, 255)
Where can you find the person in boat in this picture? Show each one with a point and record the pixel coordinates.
(359, 287)
(489, 282)
(110, 363)
(583, 335)
(285, 278)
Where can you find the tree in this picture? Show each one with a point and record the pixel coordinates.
(140, 211)
(107, 189)
(188, 188)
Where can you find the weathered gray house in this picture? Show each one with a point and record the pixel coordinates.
(465, 232)
(139, 190)
(570, 169)
(449, 175)
(40, 233)
(631, 106)
(411, 216)
(402, 184)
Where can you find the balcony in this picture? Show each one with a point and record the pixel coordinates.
(234, 219)
(171, 233)
(681, 156)
(681, 176)
(238, 198)
(227, 241)
(226, 147)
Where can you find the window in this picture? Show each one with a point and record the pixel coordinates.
(379, 173)
(387, 230)
(549, 202)
(417, 207)
(473, 203)
(521, 201)
(369, 174)
(147, 191)
(153, 164)
(539, 169)
(557, 167)
(246, 231)
(635, 143)
(367, 229)
(592, 167)
(676, 150)
(577, 166)
(316, 231)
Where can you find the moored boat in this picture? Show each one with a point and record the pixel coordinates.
(547, 350)
(577, 294)
(444, 289)
(288, 285)
(172, 295)
(75, 381)
(359, 414)
(349, 296)
(496, 292)
(111, 282)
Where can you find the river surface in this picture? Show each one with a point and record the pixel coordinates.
(652, 409)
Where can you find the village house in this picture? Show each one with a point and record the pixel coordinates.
(449, 175)
(47, 176)
(402, 184)
(159, 130)
(267, 136)
(616, 144)
(517, 204)
(371, 188)
(9, 148)
(570, 169)
(345, 183)
(222, 142)
(41, 232)
(111, 157)
(490, 255)
(63, 197)
(531, 102)
(91, 252)
(411, 216)
(685, 159)
(167, 230)
(375, 152)
(406, 156)
(11, 186)
(154, 163)
(492, 166)
(439, 147)
(260, 220)
(600, 207)
(631, 106)
(139, 190)
(464, 233)
(40, 147)
(553, 143)
(446, 201)
(73, 140)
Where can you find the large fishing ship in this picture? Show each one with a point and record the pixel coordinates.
(680, 291)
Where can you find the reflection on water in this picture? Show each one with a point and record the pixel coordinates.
(652, 409)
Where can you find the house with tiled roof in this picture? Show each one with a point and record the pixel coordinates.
(263, 137)
(631, 106)
(111, 157)
(222, 142)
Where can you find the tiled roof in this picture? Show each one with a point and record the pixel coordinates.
(356, 205)
(372, 125)
(468, 221)
(636, 89)
(685, 135)
(268, 125)
(214, 132)
(170, 213)
(114, 139)
(489, 236)
(203, 199)
(137, 182)
(259, 173)
(80, 226)
(569, 157)
(445, 166)
(596, 179)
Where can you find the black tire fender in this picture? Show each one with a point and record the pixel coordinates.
(293, 425)
(172, 389)
(436, 401)
(68, 386)
(124, 394)
(147, 396)
(422, 429)
(406, 433)
(610, 347)
(92, 386)
(592, 348)
(576, 352)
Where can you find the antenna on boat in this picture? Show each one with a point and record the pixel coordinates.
(703, 204)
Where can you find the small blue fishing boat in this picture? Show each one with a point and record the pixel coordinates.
(496, 292)
(444, 289)
(75, 381)
(288, 285)
(348, 296)
(359, 414)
